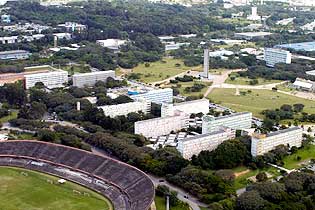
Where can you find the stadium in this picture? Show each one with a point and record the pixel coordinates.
(125, 186)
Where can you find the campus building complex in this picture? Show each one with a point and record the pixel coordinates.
(237, 121)
(158, 96)
(263, 143)
(188, 107)
(89, 79)
(210, 141)
(274, 56)
(126, 108)
(53, 79)
(161, 126)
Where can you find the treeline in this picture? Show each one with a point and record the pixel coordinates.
(280, 72)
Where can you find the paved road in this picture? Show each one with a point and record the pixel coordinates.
(193, 202)
(218, 80)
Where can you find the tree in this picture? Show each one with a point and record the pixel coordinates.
(261, 177)
(250, 200)
(298, 107)
(286, 107)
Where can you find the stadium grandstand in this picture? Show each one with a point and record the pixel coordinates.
(127, 187)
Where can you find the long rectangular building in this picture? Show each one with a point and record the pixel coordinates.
(210, 141)
(158, 96)
(14, 55)
(237, 121)
(262, 143)
(53, 79)
(89, 79)
(161, 126)
(126, 108)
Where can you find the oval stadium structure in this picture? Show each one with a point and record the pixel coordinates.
(127, 187)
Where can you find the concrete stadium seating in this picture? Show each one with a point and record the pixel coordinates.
(127, 187)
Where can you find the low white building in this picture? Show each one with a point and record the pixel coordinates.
(113, 44)
(126, 108)
(262, 143)
(72, 26)
(305, 85)
(252, 35)
(188, 107)
(161, 126)
(273, 56)
(236, 121)
(89, 79)
(54, 79)
(210, 141)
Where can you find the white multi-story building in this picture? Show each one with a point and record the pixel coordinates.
(158, 96)
(262, 143)
(210, 141)
(273, 56)
(237, 121)
(161, 126)
(89, 79)
(188, 107)
(254, 16)
(126, 108)
(53, 79)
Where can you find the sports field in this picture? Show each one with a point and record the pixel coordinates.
(28, 190)
(257, 100)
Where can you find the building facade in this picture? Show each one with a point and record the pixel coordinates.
(262, 143)
(126, 108)
(210, 141)
(188, 107)
(89, 79)
(52, 79)
(161, 126)
(14, 55)
(158, 96)
(236, 121)
(273, 56)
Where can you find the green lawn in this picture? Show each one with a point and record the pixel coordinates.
(161, 204)
(246, 81)
(241, 181)
(161, 70)
(307, 153)
(183, 85)
(257, 100)
(76, 69)
(34, 192)
(13, 115)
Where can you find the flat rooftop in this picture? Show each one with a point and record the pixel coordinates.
(302, 46)
(254, 34)
(13, 52)
(94, 73)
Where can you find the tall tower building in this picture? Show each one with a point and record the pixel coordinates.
(206, 63)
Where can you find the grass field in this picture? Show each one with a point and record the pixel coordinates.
(5, 119)
(34, 192)
(183, 85)
(291, 161)
(161, 70)
(76, 69)
(246, 81)
(242, 180)
(161, 205)
(257, 100)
